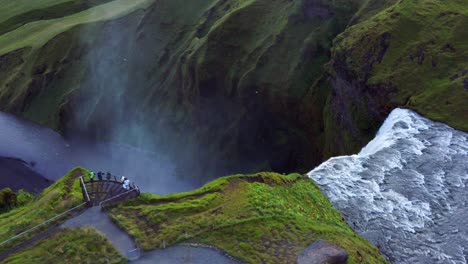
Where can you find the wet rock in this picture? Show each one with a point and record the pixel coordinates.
(321, 252)
(401, 125)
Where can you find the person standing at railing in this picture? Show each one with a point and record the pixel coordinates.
(91, 176)
(99, 176)
(126, 184)
(108, 176)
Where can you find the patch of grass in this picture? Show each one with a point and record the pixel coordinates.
(10, 199)
(36, 34)
(50, 12)
(81, 245)
(57, 198)
(259, 218)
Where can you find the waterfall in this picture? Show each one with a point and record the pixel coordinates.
(406, 191)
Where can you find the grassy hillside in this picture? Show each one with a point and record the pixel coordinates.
(35, 34)
(410, 53)
(260, 218)
(57, 198)
(195, 78)
(250, 84)
(81, 245)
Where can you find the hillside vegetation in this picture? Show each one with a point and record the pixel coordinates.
(214, 68)
(251, 85)
(80, 245)
(57, 198)
(412, 54)
(260, 218)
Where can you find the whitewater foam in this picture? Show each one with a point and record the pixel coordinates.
(405, 191)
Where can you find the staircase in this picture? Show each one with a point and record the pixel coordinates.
(105, 192)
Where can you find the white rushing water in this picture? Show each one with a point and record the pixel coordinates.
(406, 191)
(52, 156)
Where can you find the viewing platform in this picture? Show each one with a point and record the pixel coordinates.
(105, 192)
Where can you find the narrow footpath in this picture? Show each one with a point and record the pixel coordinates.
(96, 218)
(178, 254)
(184, 254)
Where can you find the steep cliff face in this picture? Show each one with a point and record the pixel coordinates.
(240, 83)
(241, 78)
(225, 79)
(412, 54)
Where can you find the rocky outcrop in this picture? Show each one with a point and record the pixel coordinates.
(321, 252)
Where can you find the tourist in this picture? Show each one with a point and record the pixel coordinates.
(108, 176)
(126, 184)
(91, 176)
(99, 175)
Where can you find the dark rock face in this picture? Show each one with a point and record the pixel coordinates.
(221, 83)
(354, 110)
(321, 252)
(16, 174)
(375, 67)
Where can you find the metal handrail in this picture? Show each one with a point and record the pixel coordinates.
(118, 195)
(86, 190)
(43, 223)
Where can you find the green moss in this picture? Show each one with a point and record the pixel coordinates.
(50, 12)
(39, 32)
(264, 217)
(23, 197)
(221, 52)
(425, 61)
(57, 198)
(81, 245)
(10, 199)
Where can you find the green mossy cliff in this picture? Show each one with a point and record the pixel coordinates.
(249, 84)
(79, 245)
(411, 54)
(55, 199)
(259, 218)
